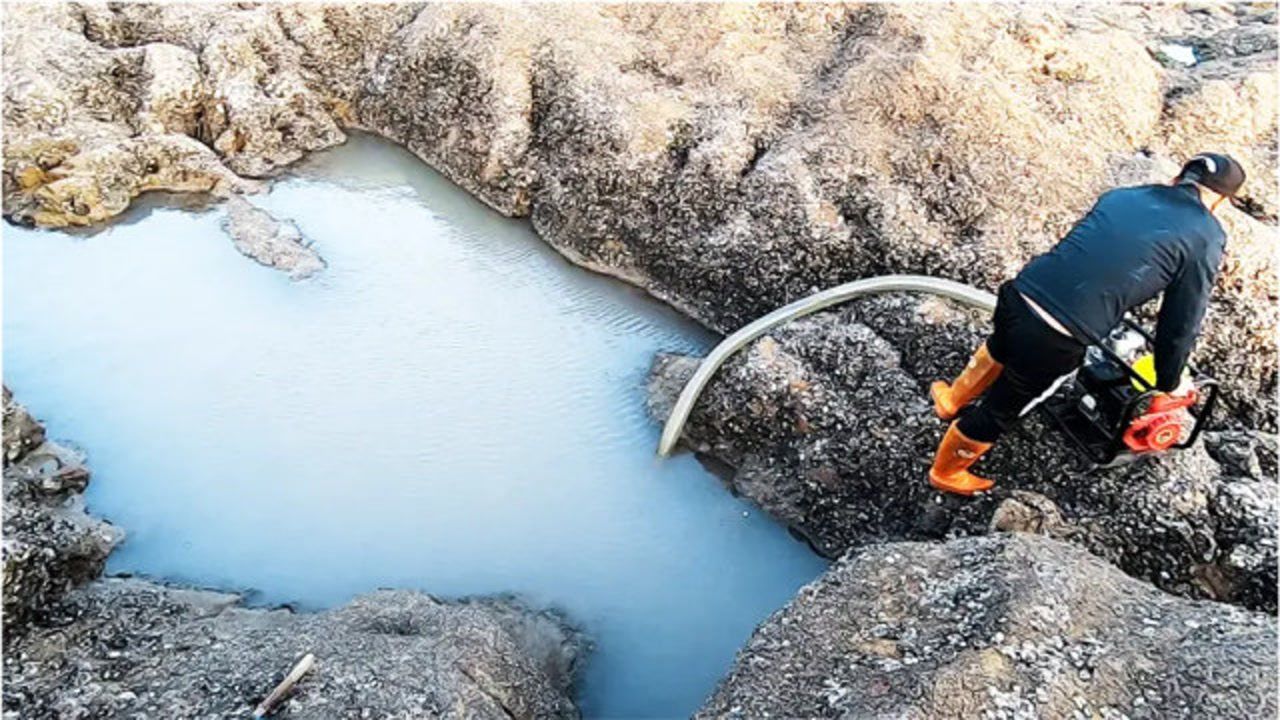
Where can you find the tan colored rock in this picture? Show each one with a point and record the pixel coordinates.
(726, 157)
(262, 115)
(173, 90)
(456, 90)
(94, 185)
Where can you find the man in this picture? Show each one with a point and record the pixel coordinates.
(1133, 244)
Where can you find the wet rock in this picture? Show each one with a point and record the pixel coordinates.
(50, 544)
(132, 648)
(21, 431)
(1007, 626)
(275, 243)
(728, 159)
(828, 425)
(456, 89)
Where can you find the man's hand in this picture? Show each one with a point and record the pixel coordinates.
(1182, 397)
(1186, 387)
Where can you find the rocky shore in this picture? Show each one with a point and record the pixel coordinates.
(81, 646)
(728, 159)
(50, 544)
(829, 427)
(1009, 626)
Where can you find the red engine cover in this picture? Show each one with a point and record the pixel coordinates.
(1161, 427)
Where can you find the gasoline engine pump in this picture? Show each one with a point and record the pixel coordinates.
(1110, 409)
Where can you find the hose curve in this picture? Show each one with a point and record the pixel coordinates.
(951, 289)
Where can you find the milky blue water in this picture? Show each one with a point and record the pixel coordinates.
(449, 406)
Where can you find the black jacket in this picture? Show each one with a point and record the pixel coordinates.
(1133, 244)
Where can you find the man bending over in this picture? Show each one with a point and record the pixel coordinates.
(1135, 243)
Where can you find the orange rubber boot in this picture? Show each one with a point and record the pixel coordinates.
(974, 380)
(950, 471)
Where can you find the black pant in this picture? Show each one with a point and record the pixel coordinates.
(1034, 356)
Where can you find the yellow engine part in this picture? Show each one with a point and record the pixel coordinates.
(1145, 366)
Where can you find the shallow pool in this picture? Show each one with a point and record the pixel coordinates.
(449, 406)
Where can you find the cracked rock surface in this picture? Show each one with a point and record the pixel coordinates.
(828, 424)
(81, 646)
(1006, 626)
(726, 157)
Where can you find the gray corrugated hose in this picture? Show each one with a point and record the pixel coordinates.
(959, 292)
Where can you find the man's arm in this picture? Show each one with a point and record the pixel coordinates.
(1181, 310)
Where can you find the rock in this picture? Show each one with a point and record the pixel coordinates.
(1007, 626)
(50, 544)
(134, 648)
(1247, 453)
(274, 243)
(456, 89)
(1246, 512)
(828, 425)
(99, 182)
(78, 645)
(728, 159)
(173, 90)
(1030, 512)
(263, 115)
(21, 431)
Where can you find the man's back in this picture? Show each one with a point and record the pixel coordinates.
(1133, 244)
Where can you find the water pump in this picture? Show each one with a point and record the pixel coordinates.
(1110, 410)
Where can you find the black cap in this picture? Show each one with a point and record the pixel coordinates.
(1220, 173)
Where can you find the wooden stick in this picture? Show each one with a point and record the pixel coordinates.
(303, 666)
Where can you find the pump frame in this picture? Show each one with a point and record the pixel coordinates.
(1102, 443)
